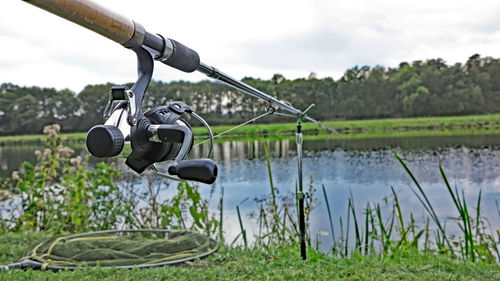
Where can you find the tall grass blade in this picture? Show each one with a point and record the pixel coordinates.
(221, 212)
(346, 248)
(469, 237)
(294, 225)
(461, 205)
(235, 239)
(427, 205)
(243, 231)
(426, 241)
(297, 205)
(356, 225)
(270, 175)
(399, 214)
(384, 238)
(478, 212)
(416, 237)
(391, 226)
(498, 207)
(329, 214)
(367, 231)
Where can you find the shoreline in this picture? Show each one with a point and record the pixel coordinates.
(348, 129)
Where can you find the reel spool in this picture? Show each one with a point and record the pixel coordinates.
(159, 135)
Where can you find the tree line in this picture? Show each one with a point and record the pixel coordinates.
(419, 88)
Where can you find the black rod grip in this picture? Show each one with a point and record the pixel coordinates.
(202, 170)
(183, 58)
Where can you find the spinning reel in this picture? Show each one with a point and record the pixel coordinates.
(144, 139)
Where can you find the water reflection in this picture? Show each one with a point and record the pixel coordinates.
(367, 168)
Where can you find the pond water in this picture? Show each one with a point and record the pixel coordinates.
(367, 168)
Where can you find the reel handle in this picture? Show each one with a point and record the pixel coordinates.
(202, 170)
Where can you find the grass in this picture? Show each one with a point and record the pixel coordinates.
(276, 263)
(475, 241)
(350, 129)
(384, 249)
(361, 127)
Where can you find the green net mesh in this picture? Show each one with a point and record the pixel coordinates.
(124, 248)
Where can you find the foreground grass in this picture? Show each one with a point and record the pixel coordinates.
(256, 264)
(349, 129)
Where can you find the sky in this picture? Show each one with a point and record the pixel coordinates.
(255, 38)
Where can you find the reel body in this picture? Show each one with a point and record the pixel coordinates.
(159, 135)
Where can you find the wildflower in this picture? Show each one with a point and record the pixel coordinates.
(66, 151)
(76, 161)
(38, 168)
(15, 175)
(38, 153)
(43, 139)
(47, 152)
(4, 195)
(72, 170)
(52, 130)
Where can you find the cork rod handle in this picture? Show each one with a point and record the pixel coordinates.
(90, 15)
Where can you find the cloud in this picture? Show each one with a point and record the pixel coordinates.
(320, 50)
(256, 39)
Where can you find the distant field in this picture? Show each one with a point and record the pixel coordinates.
(393, 127)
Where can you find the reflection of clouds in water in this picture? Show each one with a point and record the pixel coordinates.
(368, 173)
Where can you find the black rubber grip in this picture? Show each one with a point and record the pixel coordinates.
(202, 170)
(183, 58)
(104, 141)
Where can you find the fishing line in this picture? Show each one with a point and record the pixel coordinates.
(329, 129)
(270, 110)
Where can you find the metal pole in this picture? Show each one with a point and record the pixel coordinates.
(300, 192)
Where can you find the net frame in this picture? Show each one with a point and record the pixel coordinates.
(29, 262)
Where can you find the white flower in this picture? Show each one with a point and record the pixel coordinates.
(76, 161)
(4, 194)
(47, 152)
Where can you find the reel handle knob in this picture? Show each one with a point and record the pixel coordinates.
(104, 141)
(202, 170)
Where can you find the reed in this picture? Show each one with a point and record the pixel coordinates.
(388, 234)
(330, 220)
(243, 231)
(367, 231)
(355, 223)
(422, 197)
(221, 214)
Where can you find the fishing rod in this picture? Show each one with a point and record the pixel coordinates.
(132, 35)
(159, 134)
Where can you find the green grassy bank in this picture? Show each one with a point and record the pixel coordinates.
(393, 127)
(257, 264)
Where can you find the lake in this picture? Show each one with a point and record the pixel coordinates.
(365, 167)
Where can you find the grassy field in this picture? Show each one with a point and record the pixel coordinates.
(257, 264)
(371, 126)
(351, 129)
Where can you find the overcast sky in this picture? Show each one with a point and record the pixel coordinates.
(248, 38)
